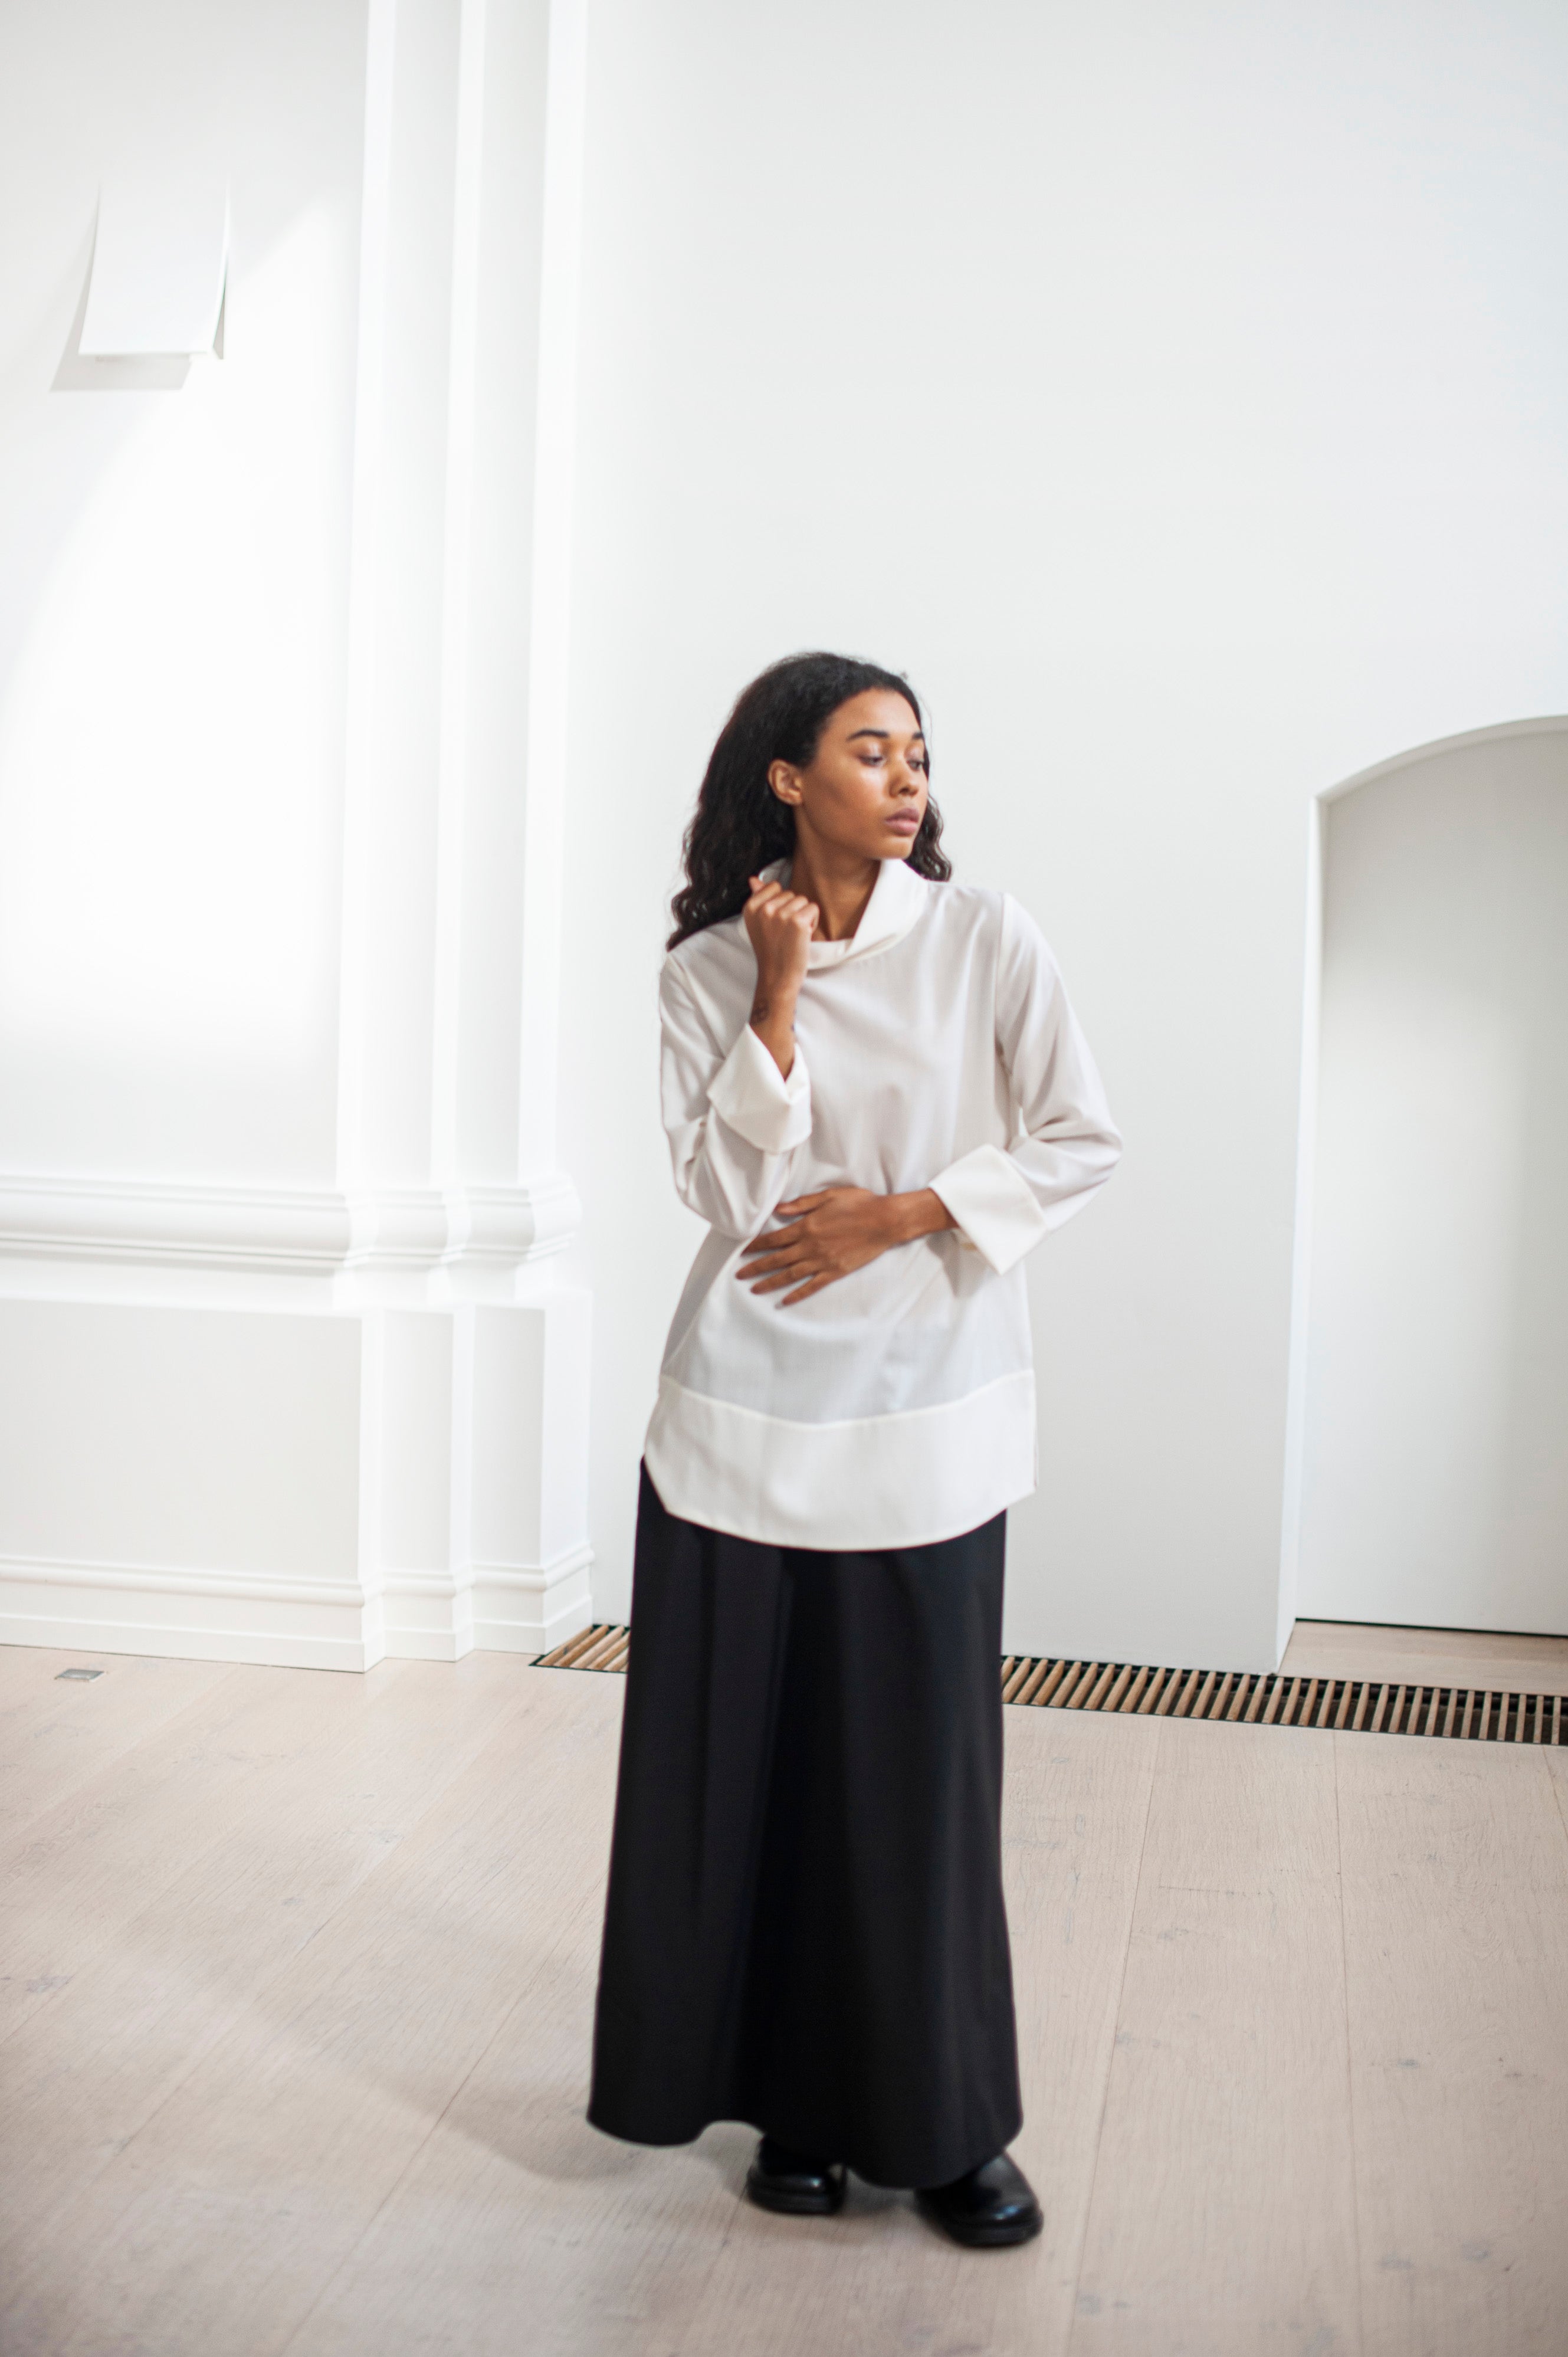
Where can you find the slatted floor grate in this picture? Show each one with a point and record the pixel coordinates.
(1245, 1697)
(605, 1646)
(1369, 1705)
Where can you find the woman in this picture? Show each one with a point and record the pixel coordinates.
(879, 1099)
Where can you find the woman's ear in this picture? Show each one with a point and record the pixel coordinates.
(784, 782)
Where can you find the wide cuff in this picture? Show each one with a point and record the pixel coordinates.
(750, 1092)
(993, 1205)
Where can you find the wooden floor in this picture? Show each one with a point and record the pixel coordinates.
(1440, 1657)
(295, 2009)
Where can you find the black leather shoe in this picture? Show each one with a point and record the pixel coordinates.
(782, 2179)
(993, 2205)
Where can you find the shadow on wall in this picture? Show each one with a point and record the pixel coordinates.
(1435, 1478)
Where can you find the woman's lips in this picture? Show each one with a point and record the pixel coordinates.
(904, 823)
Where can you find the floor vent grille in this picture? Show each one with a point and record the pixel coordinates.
(1245, 1697)
(605, 1646)
(1363, 1705)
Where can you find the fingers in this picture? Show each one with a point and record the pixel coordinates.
(759, 1268)
(794, 1215)
(784, 1246)
(791, 1235)
(788, 1276)
(778, 1272)
(804, 1292)
(763, 1262)
(774, 1273)
(768, 898)
(768, 1263)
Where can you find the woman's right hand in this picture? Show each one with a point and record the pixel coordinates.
(780, 925)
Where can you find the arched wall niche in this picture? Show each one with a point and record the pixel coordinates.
(1427, 1481)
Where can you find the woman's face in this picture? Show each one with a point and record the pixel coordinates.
(865, 789)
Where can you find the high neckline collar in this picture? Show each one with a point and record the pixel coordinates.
(896, 899)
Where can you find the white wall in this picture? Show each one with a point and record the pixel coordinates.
(173, 596)
(292, 1373)
(1176, 394)
(1436, 1484)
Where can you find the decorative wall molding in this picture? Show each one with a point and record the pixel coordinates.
(498, 1608)
(189, 1616)
(128, 1607)
(436, 1411)
(417, 1229)
(287, 1232)
(521, 1579)
(158, 1579)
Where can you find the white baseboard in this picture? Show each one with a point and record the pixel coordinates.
(186, 1644)
(488, 1607)
(197, 1616)
(183, 1617)
(526, 1611)
(313, 1489)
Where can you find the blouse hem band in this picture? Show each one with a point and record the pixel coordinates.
(865, 1483)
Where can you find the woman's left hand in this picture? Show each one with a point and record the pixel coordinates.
(827, 1234)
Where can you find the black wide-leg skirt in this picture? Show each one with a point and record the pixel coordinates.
(805, 1926)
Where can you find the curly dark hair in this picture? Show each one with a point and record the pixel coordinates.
(740, 824)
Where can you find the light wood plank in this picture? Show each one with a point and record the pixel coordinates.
(83, 2076)
(221, 2224)
(1556, 1760)
(513, 2186)
(21, 1667)
(75, 1877)
(1077, 1800)
(377, 2143)
(54, 1736)
(1457, 1932)
(1427, 1657)
(1223, 2214)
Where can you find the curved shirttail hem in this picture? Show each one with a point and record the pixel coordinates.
(860, 1485)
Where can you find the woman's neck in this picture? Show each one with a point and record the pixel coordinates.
(840, 885)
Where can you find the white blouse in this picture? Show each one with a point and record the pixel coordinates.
(934, 1048)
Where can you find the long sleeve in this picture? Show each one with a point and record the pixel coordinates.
(1067, 1146)
(733, 1120)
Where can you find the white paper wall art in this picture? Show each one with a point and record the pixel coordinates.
(160, 260)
